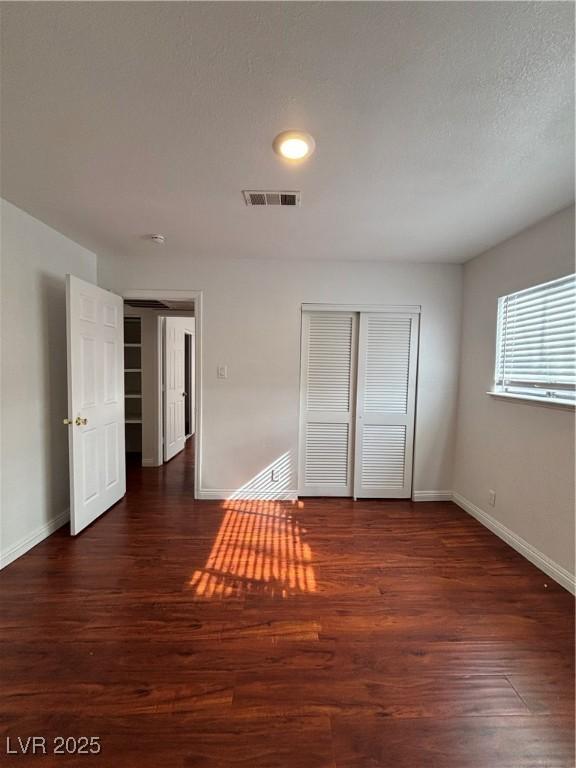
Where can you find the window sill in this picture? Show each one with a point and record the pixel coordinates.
(561, 404)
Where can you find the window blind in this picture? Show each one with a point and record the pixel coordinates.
(535, 348)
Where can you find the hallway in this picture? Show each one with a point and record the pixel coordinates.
(315, 634)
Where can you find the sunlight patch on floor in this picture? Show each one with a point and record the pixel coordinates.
(259, 548)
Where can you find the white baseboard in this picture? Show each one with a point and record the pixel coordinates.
(537, 558)
(233, 495)
(150, 463)
(219, 495)
(431, 495)
(10, 554)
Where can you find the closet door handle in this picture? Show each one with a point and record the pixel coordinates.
(80, 422)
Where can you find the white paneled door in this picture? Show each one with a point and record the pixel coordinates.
(328, 391)
(358, 387)
(95, 331)
(387, 358)
(174, 387)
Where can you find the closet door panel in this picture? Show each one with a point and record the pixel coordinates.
(383, 458)
(387, 358)
(328, 391)
(327, 454)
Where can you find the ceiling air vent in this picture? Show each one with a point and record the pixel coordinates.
(255, 197)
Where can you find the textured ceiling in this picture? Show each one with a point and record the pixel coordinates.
(441, 128)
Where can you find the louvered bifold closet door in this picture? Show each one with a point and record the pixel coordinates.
(329, 345)
(387, 359)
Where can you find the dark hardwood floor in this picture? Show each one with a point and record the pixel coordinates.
(319, 634)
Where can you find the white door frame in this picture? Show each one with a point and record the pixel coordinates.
(394, 308)
(196, 296)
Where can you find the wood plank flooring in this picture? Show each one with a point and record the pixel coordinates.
(319, 634)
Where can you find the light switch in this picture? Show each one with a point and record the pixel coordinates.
(222, 372)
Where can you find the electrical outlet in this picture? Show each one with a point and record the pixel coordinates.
(222, 372)
(275, 475)
(492, 498)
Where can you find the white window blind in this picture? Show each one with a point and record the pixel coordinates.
(535, 348)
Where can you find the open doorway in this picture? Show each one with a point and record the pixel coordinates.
(116, 393)
(176, 333)
(161, 383)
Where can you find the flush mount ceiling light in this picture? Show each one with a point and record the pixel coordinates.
(294, 145)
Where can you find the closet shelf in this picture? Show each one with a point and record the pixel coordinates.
(132, 370)
(132, 345)
(133, 421)
(134, 397)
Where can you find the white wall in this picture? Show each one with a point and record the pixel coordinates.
(525, 452)
(34, 442)
(252, 323)
(151, 390)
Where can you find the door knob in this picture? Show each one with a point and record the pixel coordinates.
(184, 394)
(80, 422)
(67, 421)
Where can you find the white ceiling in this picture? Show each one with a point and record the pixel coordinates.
(441, 128)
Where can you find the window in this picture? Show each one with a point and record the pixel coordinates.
(535, 347)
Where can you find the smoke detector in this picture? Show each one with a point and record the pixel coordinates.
(158, 239)
(261, 197)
